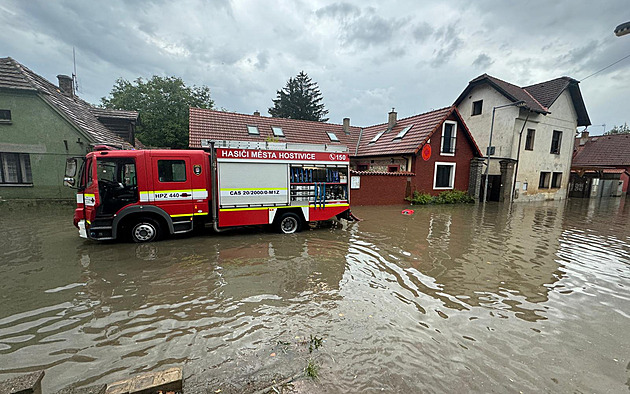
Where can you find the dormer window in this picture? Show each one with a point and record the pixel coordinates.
(404, 131)
(376, 137)
(253, 130)
(449, 132)
(277, 131)
(332, 137)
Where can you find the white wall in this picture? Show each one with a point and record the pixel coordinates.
(508, 122)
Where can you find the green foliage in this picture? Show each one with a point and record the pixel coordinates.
(314, 343)
(312, 369)
(420, 198)
(446, 197)
(162, 104)
(299, 99)
(619, 130)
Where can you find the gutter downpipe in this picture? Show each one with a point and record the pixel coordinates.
(213, 181)
(485, 186)
(518, 155)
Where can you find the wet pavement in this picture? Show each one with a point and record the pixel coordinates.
(451, 299)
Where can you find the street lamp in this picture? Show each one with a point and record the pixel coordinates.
(622, 29)
(485, 186)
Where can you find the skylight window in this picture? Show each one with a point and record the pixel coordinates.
(332, 137)
(277, 131)
(253, 130)
(376, 137)
(404, 131)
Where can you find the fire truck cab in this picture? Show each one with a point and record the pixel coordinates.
(146, 194)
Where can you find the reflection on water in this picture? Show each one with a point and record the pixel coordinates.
(458, 298)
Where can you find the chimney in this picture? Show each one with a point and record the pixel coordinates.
(346, 125)
(391, 122)
(256, 113)
(65, 84)
(584, 137)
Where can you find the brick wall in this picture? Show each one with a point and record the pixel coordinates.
(380, 189)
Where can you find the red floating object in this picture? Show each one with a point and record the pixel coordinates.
(407, 212)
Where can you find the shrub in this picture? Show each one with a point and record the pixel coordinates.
(420, 198)
(446, 197)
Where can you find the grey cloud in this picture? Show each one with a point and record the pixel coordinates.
(422, 32)
(483, 61)
(262, 60)
(361, 27)
(338, 10)
(448, 41)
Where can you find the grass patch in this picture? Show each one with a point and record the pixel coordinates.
(312, 369)
(446, 197)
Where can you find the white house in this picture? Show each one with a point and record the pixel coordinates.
(532, 134)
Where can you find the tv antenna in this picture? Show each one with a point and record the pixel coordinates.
(75, 82)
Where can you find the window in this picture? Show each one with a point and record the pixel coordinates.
(253, 130)
(393, 168)
(277, 131)
(449, 131)
(363, 167)
(555, 142)
(476, 108)
(172, 170)
(5, 116)
(404, 131)
(444, 176)
(376, 137)
(545, 177)
(332, 137)
(556, 180)
(529, 140)
(15, 168)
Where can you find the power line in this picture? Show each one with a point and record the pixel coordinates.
(608, 66)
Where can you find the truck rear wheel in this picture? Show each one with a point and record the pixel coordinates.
(145, 230)
(289, 223)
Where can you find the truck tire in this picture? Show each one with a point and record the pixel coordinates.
(145, 230)
(289, 223)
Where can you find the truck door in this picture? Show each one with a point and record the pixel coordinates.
(90, 191)
(172, 184)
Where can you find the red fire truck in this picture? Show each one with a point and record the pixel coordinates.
(145, 194)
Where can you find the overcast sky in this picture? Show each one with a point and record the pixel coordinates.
(367, 56)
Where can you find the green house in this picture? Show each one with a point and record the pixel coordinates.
(42, 124)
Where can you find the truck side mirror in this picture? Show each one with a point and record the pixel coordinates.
(71, 167)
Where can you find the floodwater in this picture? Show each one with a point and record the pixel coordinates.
(533, 298)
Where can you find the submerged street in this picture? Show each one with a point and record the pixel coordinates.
(450, 299)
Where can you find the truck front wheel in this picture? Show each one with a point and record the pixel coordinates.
(145, 230)
(289, 223)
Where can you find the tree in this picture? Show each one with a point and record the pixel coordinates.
(162, 104)
(619, 130)
(299, 99)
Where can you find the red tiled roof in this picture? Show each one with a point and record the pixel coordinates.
(218, 125)
(423, 126)
(605, 150)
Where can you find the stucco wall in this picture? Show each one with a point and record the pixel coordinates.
(507, 126)
(40, 131)
(562, 118)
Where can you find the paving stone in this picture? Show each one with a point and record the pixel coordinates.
(150, 383)
(24, 384)
(97, 389)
